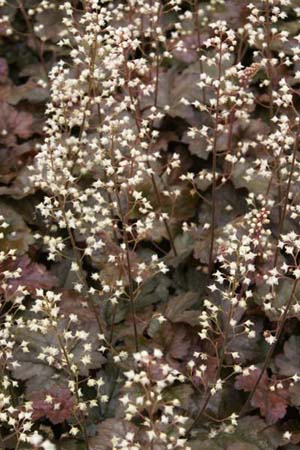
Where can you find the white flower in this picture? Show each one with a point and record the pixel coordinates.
(47, 445)
(35, 439)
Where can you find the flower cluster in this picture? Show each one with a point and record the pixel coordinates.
(161, 419)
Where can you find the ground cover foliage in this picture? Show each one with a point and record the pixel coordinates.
(149, 225)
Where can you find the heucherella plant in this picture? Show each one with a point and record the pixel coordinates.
(96, 177)
(149, 224)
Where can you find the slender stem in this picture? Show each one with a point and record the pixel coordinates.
(197, 26)
(82, 423)
(221, 361)
(127, 252)
(287, 193)
(200, 413)
(272, 347)
(229, 140)
(220, 365)
(82, 277)
(154, 184)
(269, 57)
(156, 56)
(165, 222)
(214, 169)
(131, 292)
(38, 48)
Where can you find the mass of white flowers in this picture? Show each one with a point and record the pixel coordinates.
(109, 210)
